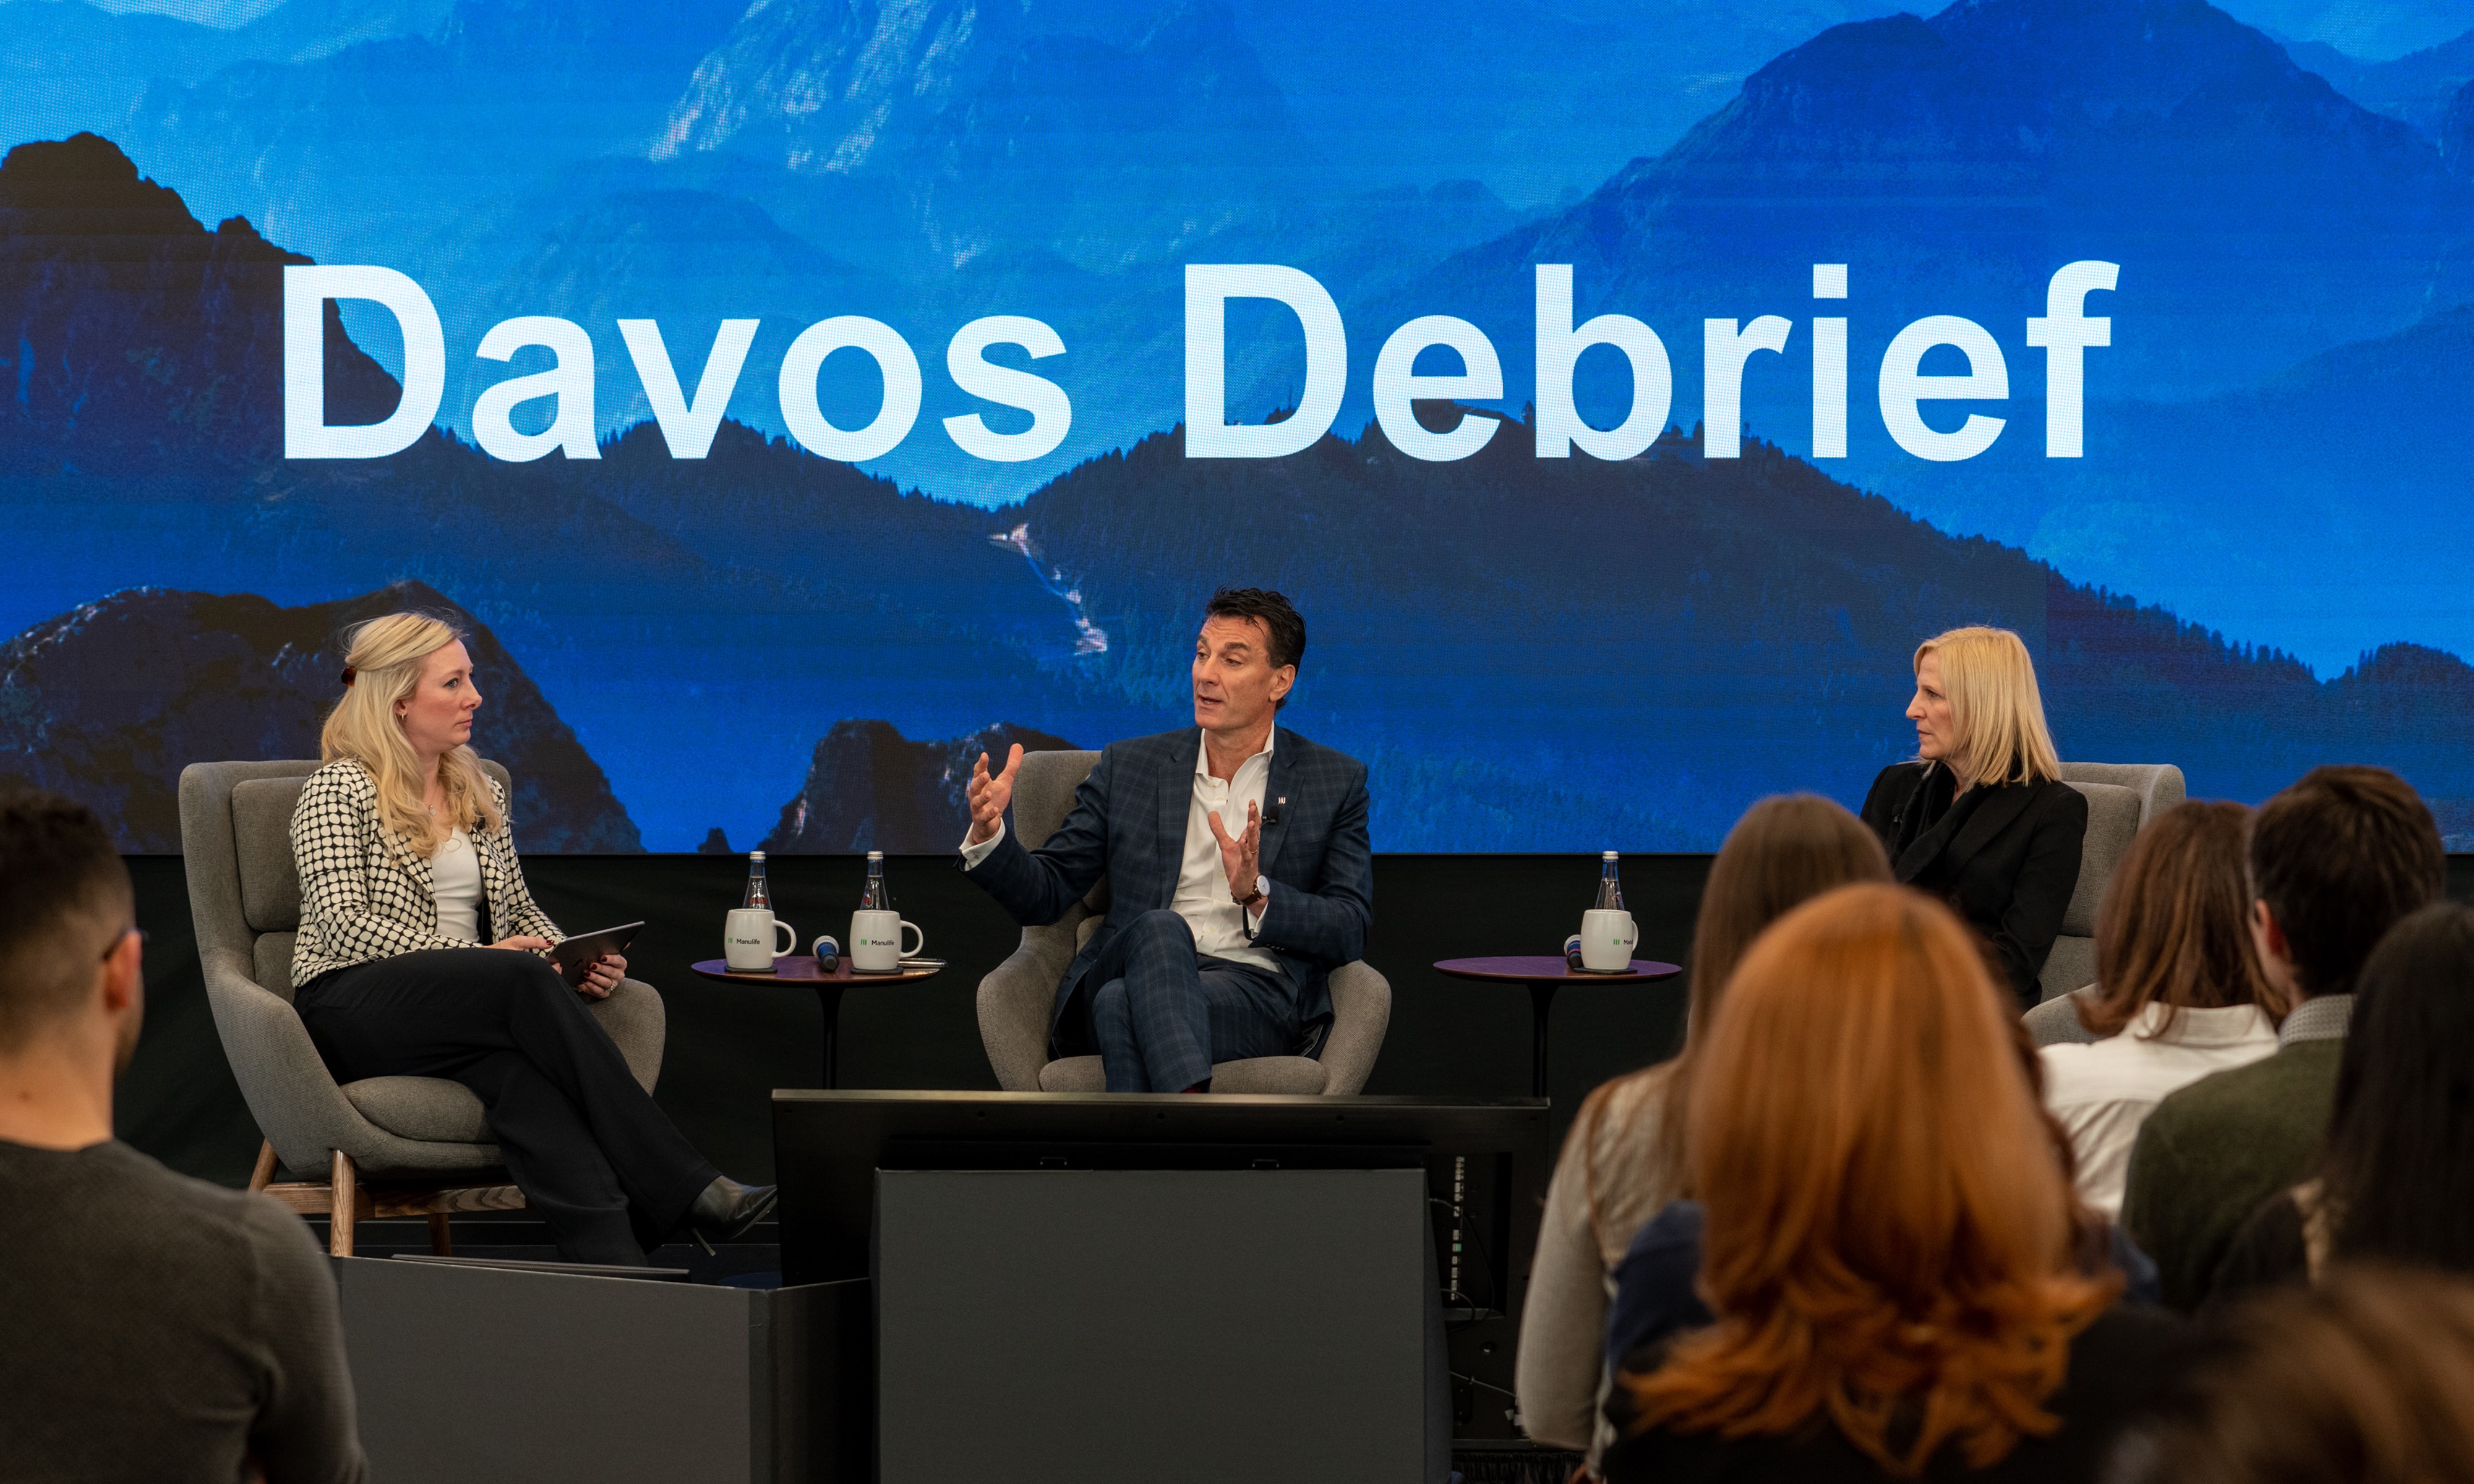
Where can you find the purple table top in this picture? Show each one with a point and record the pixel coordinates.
(801, 968)
(1536, 968)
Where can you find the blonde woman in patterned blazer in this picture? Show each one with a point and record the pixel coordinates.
(420, 954)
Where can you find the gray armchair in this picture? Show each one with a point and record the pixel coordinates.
(391, 1146)
(1015, 1000)
(2121, 798)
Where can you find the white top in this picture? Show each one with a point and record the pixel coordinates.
(1203, 897)
(455, 885)
(2102, 1090)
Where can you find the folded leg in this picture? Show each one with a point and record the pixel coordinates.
(457, 1013)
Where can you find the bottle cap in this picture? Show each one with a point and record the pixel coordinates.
(1607, 855)
(876, 855)
(756, 857)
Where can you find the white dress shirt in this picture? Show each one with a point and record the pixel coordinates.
(455, 884)
(1203, 897)
(2102, 1090)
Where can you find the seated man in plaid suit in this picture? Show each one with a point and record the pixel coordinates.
(1237, 864)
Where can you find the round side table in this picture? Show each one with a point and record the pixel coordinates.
(1544, 973)
(801, 968)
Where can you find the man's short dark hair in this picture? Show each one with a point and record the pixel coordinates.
(1284, 630)
(63, 890)
(2340, 858)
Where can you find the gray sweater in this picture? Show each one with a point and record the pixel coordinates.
(1606, 1188)
(161, 1329)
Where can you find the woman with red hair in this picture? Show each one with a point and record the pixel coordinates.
(1891, 1243)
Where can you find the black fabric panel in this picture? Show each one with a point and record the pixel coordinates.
(731, 1044)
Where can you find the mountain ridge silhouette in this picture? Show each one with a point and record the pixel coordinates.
(1531, 654)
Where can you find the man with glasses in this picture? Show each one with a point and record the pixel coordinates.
(160, 1329)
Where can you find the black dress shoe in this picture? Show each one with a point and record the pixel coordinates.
(726, 1209)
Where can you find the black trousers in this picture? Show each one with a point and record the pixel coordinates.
(590, 1150)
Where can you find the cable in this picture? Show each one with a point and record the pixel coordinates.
(1495, 1285)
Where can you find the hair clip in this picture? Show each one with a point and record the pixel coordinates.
(347, 677)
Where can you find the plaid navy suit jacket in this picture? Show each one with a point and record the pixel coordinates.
(1129, 823)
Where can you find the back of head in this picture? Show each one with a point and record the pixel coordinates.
(1785, 850)
(384, 656)
(2366, 1378)
(1888, 1228)
(2174, 929)
(2340, 858)
(2400, 1160)
(63, 895)
(1995, 705)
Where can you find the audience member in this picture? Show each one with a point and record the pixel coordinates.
(2366, 1379)
(1656, 1292)
(2396, 1183)
(1624, 1157)
(1980, 818)
(161, 1329)
(2335, 860)
(2176, 993)
(1889, 1230)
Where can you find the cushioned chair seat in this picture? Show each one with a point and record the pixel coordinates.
(1301, 1075)
(2057, 1021)
(429, 1109)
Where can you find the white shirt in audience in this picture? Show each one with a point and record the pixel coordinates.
(2102, 1090)
(455, 884)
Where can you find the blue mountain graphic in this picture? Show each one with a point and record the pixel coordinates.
(1954, 164)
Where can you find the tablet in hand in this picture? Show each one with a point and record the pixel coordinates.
(576, 956)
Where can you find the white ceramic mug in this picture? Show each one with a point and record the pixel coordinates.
(754, 937)
(1607, 941)
(876, 942)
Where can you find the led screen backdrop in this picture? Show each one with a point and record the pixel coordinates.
(796, 397)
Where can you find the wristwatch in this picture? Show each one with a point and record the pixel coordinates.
(1262, 892)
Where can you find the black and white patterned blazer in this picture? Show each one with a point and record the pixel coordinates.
(364, 892)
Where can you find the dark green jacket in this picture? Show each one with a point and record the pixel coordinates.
(2213, 1152)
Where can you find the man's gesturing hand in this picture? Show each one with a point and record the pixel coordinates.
(1240, 856)
(989, 796)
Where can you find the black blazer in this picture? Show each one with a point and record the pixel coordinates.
(2006, 855)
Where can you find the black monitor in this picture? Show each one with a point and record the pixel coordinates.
(1485, 1163)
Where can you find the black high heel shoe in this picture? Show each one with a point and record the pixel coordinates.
(726, 1211)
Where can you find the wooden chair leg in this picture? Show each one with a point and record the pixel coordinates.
(347, 1206)
(442, 1239)
(264, 1175)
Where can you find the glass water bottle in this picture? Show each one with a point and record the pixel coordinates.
(759, 894)
(1609, 890)
(874, 897)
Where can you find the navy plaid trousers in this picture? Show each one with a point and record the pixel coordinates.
(1162, 1014)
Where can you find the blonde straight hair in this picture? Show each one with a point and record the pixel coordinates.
(1995, 707)
(385, 656)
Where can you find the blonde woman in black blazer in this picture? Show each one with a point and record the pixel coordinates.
(420, 954)
(1981, 818)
